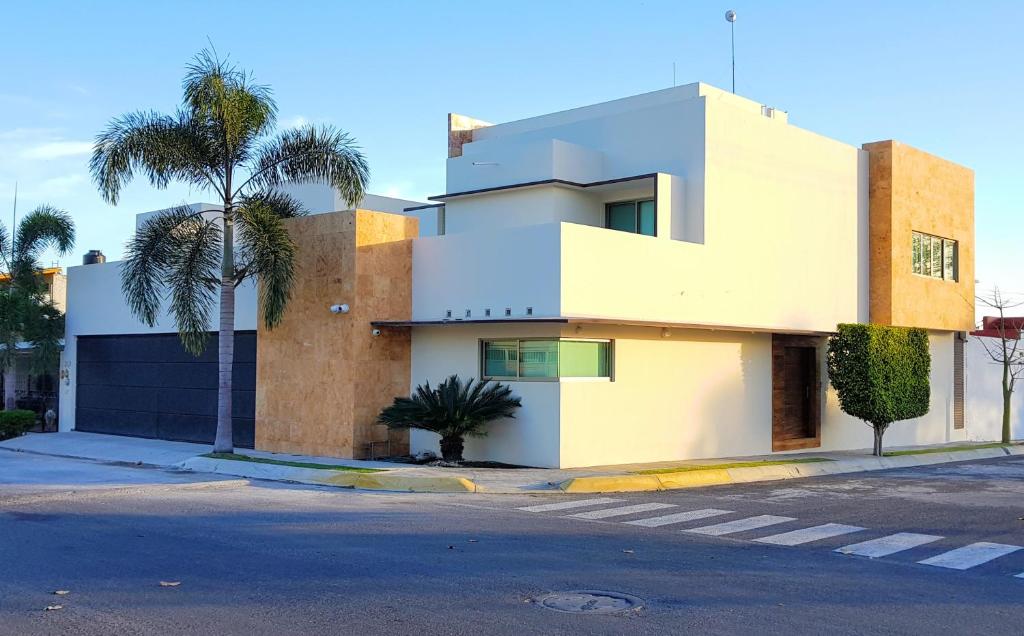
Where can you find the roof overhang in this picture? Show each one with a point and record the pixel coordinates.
(650, 176)
(585, 320)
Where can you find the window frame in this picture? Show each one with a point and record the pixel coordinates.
(482, 354)
(636, 215)
(927, 269)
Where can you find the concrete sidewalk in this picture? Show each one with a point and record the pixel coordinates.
(394, 476)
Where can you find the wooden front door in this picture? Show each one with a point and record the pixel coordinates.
(796, 393)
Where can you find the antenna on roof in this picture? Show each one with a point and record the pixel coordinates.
(730, 16)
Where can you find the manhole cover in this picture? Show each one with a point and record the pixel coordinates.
(590, 602)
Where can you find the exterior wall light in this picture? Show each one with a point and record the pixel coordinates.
(340, 309)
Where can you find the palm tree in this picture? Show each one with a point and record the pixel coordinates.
(221, 140)
(27, 313)
(453, 410)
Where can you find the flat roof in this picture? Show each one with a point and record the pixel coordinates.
(529, 184)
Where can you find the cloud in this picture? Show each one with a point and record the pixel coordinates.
(294, 122)
(57, 149)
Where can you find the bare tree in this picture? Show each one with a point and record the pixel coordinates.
(1004, 348)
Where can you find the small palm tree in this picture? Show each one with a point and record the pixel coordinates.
(221, 140)
(27, 313)
(453, 410)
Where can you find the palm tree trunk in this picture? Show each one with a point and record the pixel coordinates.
(224, 442)
(451, 448)
(9, 398)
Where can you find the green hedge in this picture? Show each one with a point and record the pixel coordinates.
(15, 423)
(880, 373)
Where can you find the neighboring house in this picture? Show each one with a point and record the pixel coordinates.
(985, 378)
(29, 389)
(655, 276)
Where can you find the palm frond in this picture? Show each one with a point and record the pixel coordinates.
(163, 147)
(267, 253)
(226, 97)
(283, 205)
(311, 154)
(43, 227)
(5, 247)
(454, 408)
(150, 256)
(192, 278)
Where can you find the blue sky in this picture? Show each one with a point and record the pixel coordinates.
(943, 76)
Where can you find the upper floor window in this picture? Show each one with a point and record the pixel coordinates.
(935, 257)
(637, 217)
(545, 359)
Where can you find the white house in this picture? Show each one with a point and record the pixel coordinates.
(655, 276)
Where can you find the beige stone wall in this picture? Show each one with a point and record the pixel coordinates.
(460, 131)
(911, 190)
(323, 377)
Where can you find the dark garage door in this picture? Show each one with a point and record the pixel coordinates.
(149, 386)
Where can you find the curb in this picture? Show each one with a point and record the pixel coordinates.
(724, 476)
(335, 478)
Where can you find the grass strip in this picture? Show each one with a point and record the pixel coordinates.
(943, 449)
(281, 462)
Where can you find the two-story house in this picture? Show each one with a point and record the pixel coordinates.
(655, 276)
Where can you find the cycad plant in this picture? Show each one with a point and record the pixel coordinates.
(27, 313)
(221, 140)
(453, 410)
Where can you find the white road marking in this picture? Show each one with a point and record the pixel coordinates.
(566, 505)
(740, 525)
(806, 535)
(619, 512)
(971, 555)
(1019, 576)
(679, 517)
(891, 544)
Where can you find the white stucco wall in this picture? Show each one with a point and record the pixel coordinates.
(694, 394)
(761, 224)
(532, 438)
(96, 306)
(983, 415)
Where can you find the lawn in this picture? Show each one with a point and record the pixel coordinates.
(944, 449)
(768, 462)
(281, 462)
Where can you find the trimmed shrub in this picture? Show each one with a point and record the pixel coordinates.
(880, 374)
(15, 423)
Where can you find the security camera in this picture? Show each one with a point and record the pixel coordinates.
(339, 309)
(375, 332)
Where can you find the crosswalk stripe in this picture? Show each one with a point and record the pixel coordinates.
(679, 517)
(891, 544)
(971, 555)
(619, 512)
(566, 505)
(806, 535)
(740, 525)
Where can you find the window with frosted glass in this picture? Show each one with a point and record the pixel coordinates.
(583, 359)
(546, 359)
(637, 217)
(934, 257)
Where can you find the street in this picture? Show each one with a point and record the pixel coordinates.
(924, 550)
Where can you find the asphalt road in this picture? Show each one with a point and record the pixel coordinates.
(277, 559)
